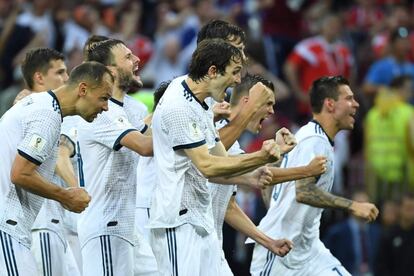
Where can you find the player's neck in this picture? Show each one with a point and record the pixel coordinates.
(328, 125)
(199, 89)
(67, 100)
(118, 94)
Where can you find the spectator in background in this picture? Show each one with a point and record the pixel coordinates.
(396, 255)
(354, 242)
(382, 72)
(388, 138)
(389, 215)
(315, 57)
(281, 28)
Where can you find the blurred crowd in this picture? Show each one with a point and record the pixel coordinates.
(291, 42)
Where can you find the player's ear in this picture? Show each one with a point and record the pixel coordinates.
(330, 104)
(82, 89)
(212, 71)
(113, 70)
(38, 78)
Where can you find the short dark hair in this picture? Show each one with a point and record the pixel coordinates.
(221, 29)
(38, 60)
(325, 87)
(91, 41)
(91, 72)
(399, 82)
(247, 82)
(211, 52)
(159, 92)
(102, 51)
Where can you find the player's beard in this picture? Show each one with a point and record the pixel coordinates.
(127, 83)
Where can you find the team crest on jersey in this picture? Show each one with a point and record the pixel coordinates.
(37, 142)
(123, 122)
(195, 131)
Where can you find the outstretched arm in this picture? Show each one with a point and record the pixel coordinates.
(308, 193)
(237, 219)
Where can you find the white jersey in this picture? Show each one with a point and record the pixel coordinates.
(110, 176)
(30, 128)
(136, 110)
(287, 218)
(181, 195)
(145, 181)
(221, 194)
(52, 215)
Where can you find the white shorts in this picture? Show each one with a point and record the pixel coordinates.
(225, 269)
(15, 258)
(265, 263)
(112, 255)
(185, 252)
(141, 220)
(51, 256)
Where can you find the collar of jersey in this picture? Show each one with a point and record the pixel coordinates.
(329, 139)
(116, 102)
(185, 85)
(50, 92)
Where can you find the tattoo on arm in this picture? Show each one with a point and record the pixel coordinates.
(308, 193)
(67, 143)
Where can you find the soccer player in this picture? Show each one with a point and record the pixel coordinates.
(225, 207)
(44, 69)
(30, 133)
(109, 148)
(296, 206)
(186, 152)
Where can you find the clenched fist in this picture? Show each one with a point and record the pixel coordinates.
(285, 139)
(76, 199)
(271, 150)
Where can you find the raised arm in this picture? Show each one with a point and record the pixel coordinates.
(258, 96)
(237, 219)
(308, 193)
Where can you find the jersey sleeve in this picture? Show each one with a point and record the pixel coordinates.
(183, 128)
(41, 132)
(308, 149)
(109, 130)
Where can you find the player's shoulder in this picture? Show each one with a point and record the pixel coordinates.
(39, 104)
(136, 105)
(312, 131)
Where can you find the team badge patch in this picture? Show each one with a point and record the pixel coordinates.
(123, 122)
(37, 142)
(195, 131)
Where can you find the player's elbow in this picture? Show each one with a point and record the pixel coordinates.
(206, 169)
(17, 178)
(300, 197)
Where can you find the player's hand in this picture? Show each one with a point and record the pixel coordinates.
(221, 111)
(21, 95)
(317, 166)
(285, 139)
(76, 199)
(280, 247)
(259, 95)
(260, 178)
(271, 150)
(364, 210)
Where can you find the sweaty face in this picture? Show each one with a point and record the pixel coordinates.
(345, 108)
(265, 111)
(230, 78)
(127, 69)
(96, 99)
(56, 76)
